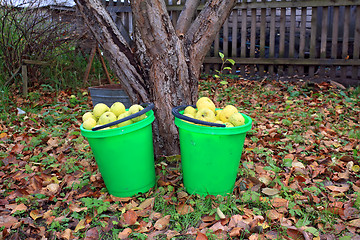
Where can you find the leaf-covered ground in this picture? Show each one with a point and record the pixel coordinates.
(299, 176)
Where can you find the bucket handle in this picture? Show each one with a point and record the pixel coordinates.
(175, 112)
(149, 106)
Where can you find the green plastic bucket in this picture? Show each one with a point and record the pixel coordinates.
(125, 156)
(210, 156)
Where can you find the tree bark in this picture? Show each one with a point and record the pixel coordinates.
(163, 68)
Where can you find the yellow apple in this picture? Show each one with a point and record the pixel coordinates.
(217, 114)
(134, 109)
(88, 115)
(99, 109)
(89, 123)
(205, 102)
(128, 122)
(237, 119)
(117, 108)
(229, 124)
(190, 110)
(227, 112)
(205, 114)
(107, 117)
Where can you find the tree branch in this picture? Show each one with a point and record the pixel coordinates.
(184, 21)
(203, 30)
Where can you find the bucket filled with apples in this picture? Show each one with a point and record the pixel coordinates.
(115, 135)
(211, 144)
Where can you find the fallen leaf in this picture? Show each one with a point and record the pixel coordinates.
(148, 202)
(125, 233)
(92, 234)
(354, 223)
(162, 223)
(20, 207)
(130, 217)
(66, 234)
(80, 225)
(7, 221)
(183, 209)
(270, 191)
(338, 189)
(201, 236)
(171, 233)
(34, 214)
(279, 202)
(220, 213)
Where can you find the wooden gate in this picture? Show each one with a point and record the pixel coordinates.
(305, 38)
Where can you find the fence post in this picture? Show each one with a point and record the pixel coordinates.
(25, 79)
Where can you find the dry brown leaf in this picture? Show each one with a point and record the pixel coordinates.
(125, 233)
(162, 223)
(201, 236)
(208, 218)
(183, 209)
(279, 202)
(92, 234)
(338, 189)
(148, 202)
(354, 223)
(235, 232)
(130, 217)
(171, 233)
(218, 226)
(67, 234)
(20, 207)
(273, 214)
(270, 191)
(75, 208)
(7, 221)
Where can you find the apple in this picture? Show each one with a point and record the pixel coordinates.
(237, 119)
(128, 122)
(99, 109)
(190, 110)
(229, 124)
(217, 114)
(205, 114)
(107, 117)
(190, 116)
(227, 112)
(88, 115)
(89, 123)
(205, 102)
(117, 108)
(134, 109)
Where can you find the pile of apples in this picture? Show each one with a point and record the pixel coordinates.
(206, 111)
(102, 114)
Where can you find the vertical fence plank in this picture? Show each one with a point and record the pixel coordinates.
(302, 38)
(324, 34)
(282, 36)
(292, 38)
(262, 38)
(243, 39)
(216, 50)
(226, 38)
(234, 38)
(345, 42)
(272, 38)
(334, 39)
(355, 69)
(313, 39)
(252, 39)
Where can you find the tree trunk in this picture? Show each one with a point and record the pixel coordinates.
(164, 68)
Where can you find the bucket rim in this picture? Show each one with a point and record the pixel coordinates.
(120, 130)
(181, 124)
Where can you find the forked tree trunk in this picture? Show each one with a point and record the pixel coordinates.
(163, 65)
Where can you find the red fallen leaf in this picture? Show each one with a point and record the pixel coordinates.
(7, 221)
(125, 233)
(201, 236)
(336, 210)
(162, 223)
(130, 217)
(17, 148)
(279, 202)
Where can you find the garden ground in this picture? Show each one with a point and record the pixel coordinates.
(299, 175)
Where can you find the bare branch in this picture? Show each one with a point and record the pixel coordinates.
(186, 17)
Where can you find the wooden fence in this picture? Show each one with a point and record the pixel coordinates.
(284, 37)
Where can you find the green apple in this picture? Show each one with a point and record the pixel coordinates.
(227, 112)
(205, 114)
(237, 119)
(190, 110)
(99, 109)
(205, 102)
(88, 115)
(128, 122)
(134, 109)
(107, 117)
(117, 108)
(89, 123)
